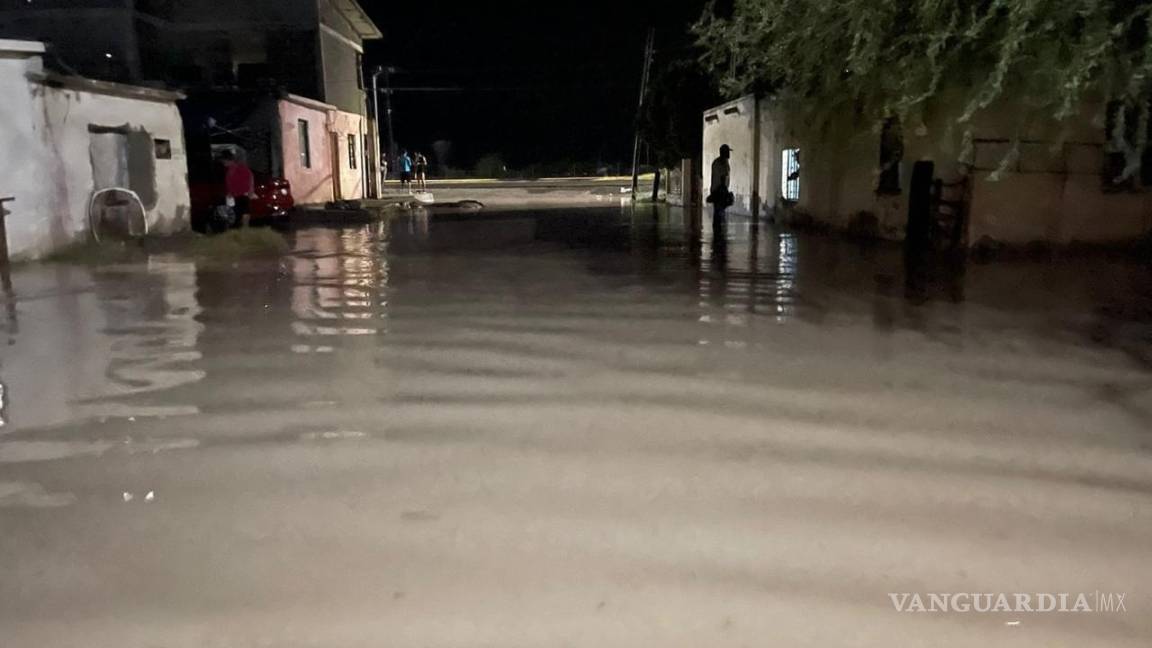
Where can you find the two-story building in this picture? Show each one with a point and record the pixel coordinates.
(302, 57)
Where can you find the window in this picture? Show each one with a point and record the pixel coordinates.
(359, 70)
(790, 174)
(163, 149)
(891, 154)
(305, 145)
(351, 151)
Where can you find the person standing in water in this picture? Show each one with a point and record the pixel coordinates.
(239, 186)
(719, 195)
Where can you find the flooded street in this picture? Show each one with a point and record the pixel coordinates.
(571, 428)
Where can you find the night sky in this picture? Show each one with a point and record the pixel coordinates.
(543, 81)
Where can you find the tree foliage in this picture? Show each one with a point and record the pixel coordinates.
(671, 120)
(894, 57)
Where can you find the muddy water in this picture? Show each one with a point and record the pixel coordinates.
(571, 428)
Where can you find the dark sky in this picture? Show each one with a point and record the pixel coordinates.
(544, 81)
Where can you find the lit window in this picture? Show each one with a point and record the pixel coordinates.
(790, 174)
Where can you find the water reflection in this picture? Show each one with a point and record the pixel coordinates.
(102, 338)
(545, 287)
(745, 270)
(340, 283)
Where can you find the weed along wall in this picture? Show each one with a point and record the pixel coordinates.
(71, 136)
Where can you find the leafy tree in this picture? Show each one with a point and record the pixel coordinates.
(881, 58)
(671, 120)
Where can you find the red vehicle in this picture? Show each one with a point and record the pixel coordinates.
(271, 205)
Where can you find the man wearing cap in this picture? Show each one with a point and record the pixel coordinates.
(719, 195)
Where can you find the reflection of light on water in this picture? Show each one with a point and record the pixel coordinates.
(339, 277)
(785, 276)
(102, 337)
(136, 365)
(2, 423)
(743, 273)
(157, 358)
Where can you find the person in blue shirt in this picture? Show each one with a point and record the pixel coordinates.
(406, 171)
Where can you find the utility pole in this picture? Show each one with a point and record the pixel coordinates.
(391, 154)
(388, 112)
(376, 131)
(648, 47)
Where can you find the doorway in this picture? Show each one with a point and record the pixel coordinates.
(918, 235)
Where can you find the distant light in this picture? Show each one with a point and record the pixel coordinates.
(107, 55)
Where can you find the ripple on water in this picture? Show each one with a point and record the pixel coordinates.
(31, 495)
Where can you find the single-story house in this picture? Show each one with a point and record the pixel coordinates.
(65, 138)
(929, 179)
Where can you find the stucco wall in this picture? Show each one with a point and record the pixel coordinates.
(47, 162)
(70, 115)
(1051, 193)
(732, 124)
(310, 185)
(351, 179)
(35, 220)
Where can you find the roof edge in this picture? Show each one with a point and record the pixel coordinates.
(106, 87)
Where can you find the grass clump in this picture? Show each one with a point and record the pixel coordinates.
(239, 243)
(89, 252)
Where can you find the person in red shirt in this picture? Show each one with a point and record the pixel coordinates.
(239, 185)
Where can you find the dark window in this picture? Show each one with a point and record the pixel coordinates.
(163, 149)
(891, 154)
(305, 145)
(359, 70)
(351, 151)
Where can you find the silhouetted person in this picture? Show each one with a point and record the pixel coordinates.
(421, 172)
(239, 186)
(719, 194)
(406, 165)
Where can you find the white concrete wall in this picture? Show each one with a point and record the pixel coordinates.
(732, 124)
(46, 162)
(26, 158)
(70, 114)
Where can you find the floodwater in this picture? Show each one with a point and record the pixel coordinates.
(572, 428)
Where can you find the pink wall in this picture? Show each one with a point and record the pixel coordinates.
(309, 184)
(351, 180)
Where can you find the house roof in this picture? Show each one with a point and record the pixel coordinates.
(105, 87)
(21, 48)
(358, 18)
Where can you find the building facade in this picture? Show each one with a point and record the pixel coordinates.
(1043, 182)
(65, 138)
(309, 49)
